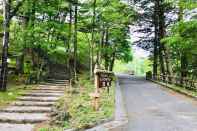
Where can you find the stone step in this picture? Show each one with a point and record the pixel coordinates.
(33, 103)
(45, 91)
(39, 99)
(26, 109)
(51, 86)
(48, 88)
(40, 94)
(59, 80)
(22, 118)
(16, 127)
(55, 84)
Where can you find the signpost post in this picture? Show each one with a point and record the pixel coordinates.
(102, 78)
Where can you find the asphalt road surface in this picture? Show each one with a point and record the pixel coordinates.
(151, 107)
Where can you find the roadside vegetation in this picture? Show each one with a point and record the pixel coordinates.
(13, 92)
(75, 109)
(183, 90)
(173, 39)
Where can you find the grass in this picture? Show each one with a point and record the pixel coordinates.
(13, 91)
(180, 89)
(80, 113)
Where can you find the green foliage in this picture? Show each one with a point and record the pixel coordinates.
(183, 36)
(78, 105)
(182, 41)
(81, 111)
(41, 33)
(139, 66)
(13, 92)
(188, 4)
(1, 23)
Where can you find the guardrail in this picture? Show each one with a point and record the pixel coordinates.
(183, 82)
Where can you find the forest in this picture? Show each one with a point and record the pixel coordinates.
(63, 37)
(51, 49)
(42, 39)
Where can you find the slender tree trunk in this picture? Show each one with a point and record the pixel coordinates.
(21, 58)
(20, 64)
(184, 64)
(6, 25)
(33, 57)
(167, 61)
(69, 40)
(93, 39)
(184, 61)
(155, 62)
(161, 18)
(75, 39)
(101, 46)
(106, 58)
(40, 70)
(112, 61)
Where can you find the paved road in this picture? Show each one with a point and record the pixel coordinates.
(154, 108)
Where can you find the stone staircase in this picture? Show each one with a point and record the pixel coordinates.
(32, 107)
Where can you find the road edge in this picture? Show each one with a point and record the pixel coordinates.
(120, 121)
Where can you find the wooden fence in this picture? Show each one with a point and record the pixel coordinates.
(183, 82)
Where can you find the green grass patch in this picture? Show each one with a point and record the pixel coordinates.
(79, 113)
(13, 91)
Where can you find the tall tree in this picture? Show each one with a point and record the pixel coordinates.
(8, 13)
(93, 39)
(75, 39)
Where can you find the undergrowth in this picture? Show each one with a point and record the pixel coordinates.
(74, 110)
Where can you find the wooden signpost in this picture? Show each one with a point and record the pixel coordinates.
(102, 78)
(105, 80)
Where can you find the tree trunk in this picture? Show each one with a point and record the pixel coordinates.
(39, 72)
(69, 40)
(106, 58)
(184, 66)
(155, 60)
(168, 69)
(93, 39)
(101, 45)
(20, 64)
(75, 39)
(112, 62)
(184, 61)
(161, 18)
(6, 25)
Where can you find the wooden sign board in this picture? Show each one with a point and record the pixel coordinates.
(105, 80)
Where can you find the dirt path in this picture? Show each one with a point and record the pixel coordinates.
(32, 108)
(154, 108)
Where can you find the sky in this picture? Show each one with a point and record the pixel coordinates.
(134, 36)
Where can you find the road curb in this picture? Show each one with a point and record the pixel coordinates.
(120, 121)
